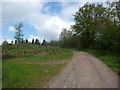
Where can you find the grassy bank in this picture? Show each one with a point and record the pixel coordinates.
(110, 58)
(31, 66)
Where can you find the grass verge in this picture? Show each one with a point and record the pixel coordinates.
(28, 75)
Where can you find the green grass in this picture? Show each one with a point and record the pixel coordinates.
(111, 59)
(28, 75)
(16, 74)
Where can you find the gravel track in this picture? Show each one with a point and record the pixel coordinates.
(85, 71)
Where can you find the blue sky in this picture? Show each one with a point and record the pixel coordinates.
(42, 20)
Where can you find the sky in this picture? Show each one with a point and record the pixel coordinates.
(41, 19)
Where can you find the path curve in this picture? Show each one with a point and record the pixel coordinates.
(85, 71)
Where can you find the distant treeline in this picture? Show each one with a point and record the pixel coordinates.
(95, 26)
(22, 41)
(34, 41)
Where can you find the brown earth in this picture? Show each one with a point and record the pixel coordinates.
(85, 71)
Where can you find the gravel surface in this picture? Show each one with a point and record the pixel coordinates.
(85, 71)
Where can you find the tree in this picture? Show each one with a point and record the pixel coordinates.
(37, 42)
(15, 41)
(65, 38)
(26, 41)
(33, 41)
(11, 42)
(44, 42)
(5, 42)
(22, 41)
(87, 19)
(109, 32)
(53, 43)
(18, 33)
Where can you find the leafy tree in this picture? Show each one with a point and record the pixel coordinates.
(66, 38)
(87, 19)
(53, 43)
(109, 32)
(18, 33)
(63, 37)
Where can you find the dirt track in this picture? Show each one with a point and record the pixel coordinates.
(85, 71)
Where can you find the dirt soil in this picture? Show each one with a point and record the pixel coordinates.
(85, 71)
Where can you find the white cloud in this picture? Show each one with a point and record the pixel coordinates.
(17, 11)
(52, 27)
(3, 38)
(8, 40)
(0, 18)
(57, 0)
(21, 0)
(12, 29)
(68, 9)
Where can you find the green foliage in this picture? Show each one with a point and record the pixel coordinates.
(109, 37)
(88, 18)
(18, 33)
(53, 43)
(66, 38)
(95, 27)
